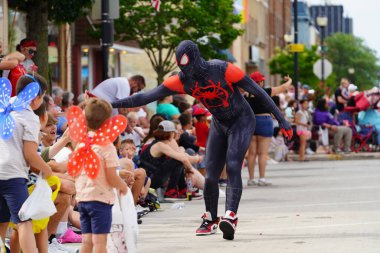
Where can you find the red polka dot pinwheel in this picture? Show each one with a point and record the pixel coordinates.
(84, 158)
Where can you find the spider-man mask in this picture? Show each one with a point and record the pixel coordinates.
(188, 58)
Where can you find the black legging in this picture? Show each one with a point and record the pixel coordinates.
(227, 144)
(171, 169)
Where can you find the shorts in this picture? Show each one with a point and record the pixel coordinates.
(307, 133)
(264, 126)
(95, 217)
(13, 193)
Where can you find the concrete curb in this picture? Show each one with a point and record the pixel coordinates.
(331, 157)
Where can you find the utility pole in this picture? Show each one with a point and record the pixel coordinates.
(107, 36)
(295, 16)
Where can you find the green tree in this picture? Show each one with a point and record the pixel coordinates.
(282, 63)
(38, 15)
(158, 33)
(346, 51)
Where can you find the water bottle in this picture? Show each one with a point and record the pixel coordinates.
(189, 190)
(178, 205)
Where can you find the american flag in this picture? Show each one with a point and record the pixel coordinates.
(156, 4)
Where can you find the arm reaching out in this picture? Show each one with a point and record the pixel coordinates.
(249, 85)
(283, 87)
(237, 76)
(143, 98)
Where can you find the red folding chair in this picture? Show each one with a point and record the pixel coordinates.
(361, 138)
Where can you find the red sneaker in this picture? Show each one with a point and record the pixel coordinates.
(171, 194)
(228, 225)
(208, 225)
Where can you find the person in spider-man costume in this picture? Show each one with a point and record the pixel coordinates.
(216, 84)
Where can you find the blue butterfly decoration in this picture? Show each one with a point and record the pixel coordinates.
(22, 101)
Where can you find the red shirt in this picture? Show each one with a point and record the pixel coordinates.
(201, 130)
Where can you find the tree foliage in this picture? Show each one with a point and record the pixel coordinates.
(39, 12)
(283, 64)
(59, 11)
(346, 51)
(158, 33)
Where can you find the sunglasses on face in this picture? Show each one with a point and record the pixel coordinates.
(31, 51)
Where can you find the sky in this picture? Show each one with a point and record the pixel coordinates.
(365, 14)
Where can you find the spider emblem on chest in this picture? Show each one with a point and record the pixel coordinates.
(212, 95)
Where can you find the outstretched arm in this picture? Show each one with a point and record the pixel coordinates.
(282, 88)
(143, 98)
(237, 76)
(250, 86)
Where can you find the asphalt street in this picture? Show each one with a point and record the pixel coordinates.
(328, 206)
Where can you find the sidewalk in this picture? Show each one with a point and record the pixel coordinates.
(331, 157)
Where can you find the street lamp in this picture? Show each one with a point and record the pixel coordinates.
(288, 38)
(322, 22)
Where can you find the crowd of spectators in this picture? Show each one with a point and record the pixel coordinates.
(161, 153)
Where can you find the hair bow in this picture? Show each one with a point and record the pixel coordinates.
(84, 157)
(22, 101)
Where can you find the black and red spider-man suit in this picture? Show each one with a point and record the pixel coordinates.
(216, 84)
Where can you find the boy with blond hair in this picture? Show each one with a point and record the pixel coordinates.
(95, 197)
(141, 182)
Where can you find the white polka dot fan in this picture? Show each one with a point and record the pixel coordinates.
(22, 101)
(84, 157)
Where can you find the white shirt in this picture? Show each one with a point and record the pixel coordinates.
(12, 161)
(304, 119)
(113, 89)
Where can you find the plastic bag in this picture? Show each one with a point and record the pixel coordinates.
(324, 136)
(39, 225)
(124, 230)
(131, 230)
(39, 204)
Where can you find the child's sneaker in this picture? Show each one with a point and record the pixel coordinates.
(56, 247)
(70, 237)
(142, 210)
(208, 225)
(228, 225)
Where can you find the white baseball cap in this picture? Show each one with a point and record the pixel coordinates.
(352, 87)
(168, 126)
